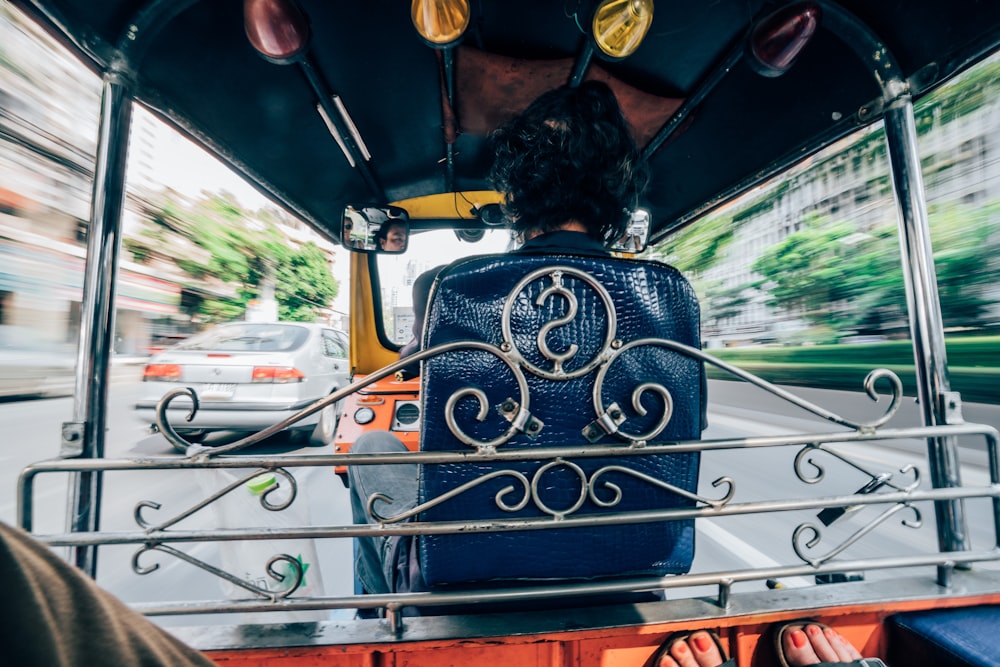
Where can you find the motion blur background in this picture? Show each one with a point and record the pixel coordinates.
(803, 271)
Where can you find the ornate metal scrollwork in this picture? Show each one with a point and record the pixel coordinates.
(714, 503)
(802, 457)
(558, 275)
(637, 392)
(532, 491)
(896, 385)
(264, 499)
(163, 423)
(608, 419)
(292, 566)
(290, 580)
(519, 417)
(457, 491)
(829, 515)
(815, 534)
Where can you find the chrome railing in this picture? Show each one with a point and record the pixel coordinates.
(894, 497)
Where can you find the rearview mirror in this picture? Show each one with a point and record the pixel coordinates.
(374, 228)
(636, 235)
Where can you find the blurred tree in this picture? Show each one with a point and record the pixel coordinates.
(215, 239)
(699, 246)
(830, 274)
(966, 244)
(304, 284)
(729, 302)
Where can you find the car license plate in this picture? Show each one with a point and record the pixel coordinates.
(217, 392)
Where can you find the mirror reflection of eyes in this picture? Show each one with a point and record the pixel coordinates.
(393, 237)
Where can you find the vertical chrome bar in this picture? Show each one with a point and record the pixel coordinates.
(394, 615)
(98, 309)
(994, 464)
(944, 574)
(926, 325)
(725, 593)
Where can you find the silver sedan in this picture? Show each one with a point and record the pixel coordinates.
(248, 376)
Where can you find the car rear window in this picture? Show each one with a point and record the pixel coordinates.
(248, 338)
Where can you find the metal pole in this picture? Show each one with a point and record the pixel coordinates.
(937, 402)
(84, 436)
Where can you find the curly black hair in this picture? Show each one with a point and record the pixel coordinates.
(569, 156)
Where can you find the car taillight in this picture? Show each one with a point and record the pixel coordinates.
(277, 374)
(162, 373)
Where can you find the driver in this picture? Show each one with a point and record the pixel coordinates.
(570, 173)
(391, 236)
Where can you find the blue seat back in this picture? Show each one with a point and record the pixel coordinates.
(556, 328)
(961, 637)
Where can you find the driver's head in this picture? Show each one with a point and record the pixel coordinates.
(569, 156)
(392, 236)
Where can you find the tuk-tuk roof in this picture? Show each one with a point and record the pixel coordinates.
(191, 61)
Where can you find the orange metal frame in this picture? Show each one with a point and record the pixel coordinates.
(748, 640)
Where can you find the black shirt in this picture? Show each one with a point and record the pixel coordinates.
(562, 241)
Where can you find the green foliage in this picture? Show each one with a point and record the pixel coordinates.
(721, 302)
(215, 240)
(698, 247)
(832, 275)
(842, 280)
(967, 93)
(852, 282)
(304, 283)
(972, 367)
(140, 250)
(965, 245)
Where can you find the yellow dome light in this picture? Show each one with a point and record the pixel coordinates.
(620, 26)
(440, 22)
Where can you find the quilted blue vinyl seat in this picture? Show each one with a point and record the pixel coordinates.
(966, 637)
(467, 303)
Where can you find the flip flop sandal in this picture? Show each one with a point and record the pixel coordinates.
(779, 647)
(684, 636)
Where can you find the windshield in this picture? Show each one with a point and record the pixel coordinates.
(427, 250)
(248, 338)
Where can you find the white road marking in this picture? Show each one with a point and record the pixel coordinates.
(748, 427)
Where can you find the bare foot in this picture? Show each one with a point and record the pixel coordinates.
(699, 650)
(810, 644)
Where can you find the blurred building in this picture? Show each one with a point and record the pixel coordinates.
(848, 182)
(49, 107)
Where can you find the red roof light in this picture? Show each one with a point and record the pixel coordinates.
(778, 39)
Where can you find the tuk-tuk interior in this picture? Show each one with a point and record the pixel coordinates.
(348, 104)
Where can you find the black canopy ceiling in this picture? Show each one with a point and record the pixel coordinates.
(191, 61)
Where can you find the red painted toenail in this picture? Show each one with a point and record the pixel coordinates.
(799, 638)
(681, 648)
(813, 630)
(702, 643)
